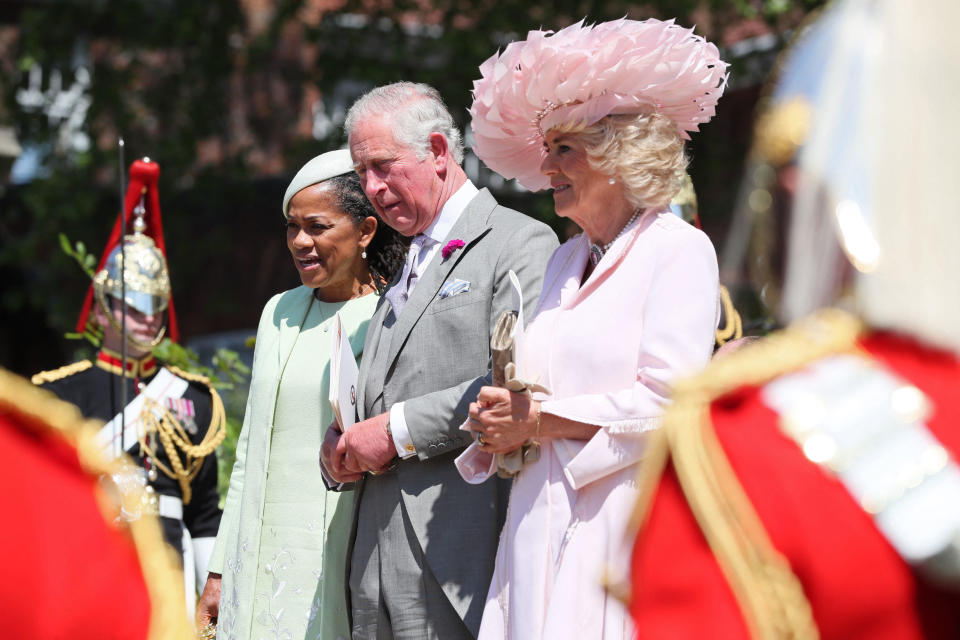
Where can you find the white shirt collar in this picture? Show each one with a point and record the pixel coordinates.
(451, 211)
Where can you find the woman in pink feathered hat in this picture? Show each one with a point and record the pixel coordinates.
(599, 114)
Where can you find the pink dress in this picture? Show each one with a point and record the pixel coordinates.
(608, 351)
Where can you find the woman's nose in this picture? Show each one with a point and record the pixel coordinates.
(548, 166)
(301, 239)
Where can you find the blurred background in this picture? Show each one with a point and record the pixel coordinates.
(230, 97)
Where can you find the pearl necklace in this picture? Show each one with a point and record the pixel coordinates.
(597, 251)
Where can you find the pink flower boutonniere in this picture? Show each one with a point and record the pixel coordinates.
(452, 246)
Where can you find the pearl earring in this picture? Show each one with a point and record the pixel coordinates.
(364, 254)
(612, 181)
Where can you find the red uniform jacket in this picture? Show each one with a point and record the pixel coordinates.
(70, 568)
(856, 583)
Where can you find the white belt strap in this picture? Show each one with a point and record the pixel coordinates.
(164, 385)
(170, 507)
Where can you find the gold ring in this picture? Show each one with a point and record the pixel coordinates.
(480, 440)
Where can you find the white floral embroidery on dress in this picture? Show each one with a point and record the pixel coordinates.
(230, 603)
(274, 621)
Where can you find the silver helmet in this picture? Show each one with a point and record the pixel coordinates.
(144, 284)
(146, 275)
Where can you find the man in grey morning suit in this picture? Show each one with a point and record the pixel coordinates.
(424, 541)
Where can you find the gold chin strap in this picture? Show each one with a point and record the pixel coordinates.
(140, 344)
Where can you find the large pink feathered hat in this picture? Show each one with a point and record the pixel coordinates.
(583, 73)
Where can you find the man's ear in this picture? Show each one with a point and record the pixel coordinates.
(441, 153)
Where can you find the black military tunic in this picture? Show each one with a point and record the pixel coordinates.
(96, 388)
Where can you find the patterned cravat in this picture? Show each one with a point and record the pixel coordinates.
(398, 294)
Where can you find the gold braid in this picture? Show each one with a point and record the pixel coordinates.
(175, 439)
(770, 596)
(733, 327)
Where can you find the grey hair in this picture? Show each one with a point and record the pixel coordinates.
(414, 110)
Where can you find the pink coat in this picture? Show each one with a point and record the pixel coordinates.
(608, 351)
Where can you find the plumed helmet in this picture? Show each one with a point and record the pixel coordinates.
(147, 278)
(147, 273)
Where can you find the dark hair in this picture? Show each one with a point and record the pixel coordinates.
(387, 251)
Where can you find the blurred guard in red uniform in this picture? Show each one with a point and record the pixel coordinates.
(72, 566)
(808, 485)
(173, 420)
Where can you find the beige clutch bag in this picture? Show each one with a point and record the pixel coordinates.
(504, 376)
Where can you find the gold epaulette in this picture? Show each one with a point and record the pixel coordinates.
(58, 374)
(192, 377)
(769, 594)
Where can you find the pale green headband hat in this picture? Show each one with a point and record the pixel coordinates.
(323, 167)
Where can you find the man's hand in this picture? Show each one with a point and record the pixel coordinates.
(332, 460)
(505, 420)
(208, 607)
(367, 446)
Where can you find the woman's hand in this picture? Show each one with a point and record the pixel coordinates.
(505, 420)
(208, 607)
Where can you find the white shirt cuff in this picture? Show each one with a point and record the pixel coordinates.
(202, 551)
(401, 435)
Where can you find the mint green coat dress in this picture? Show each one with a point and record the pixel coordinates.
(282, 541)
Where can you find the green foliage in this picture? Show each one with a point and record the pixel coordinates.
(225, 371)
(92, 333)
(770, 10)
(33, 219)
(79, 253)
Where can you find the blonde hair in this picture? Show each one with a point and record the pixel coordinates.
(643, 152)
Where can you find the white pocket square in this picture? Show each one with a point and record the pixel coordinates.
(454, 287)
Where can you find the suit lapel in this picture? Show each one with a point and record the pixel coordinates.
(369, 381)
(471, 225)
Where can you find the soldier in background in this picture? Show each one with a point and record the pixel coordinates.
(173, 420)
(807, 486)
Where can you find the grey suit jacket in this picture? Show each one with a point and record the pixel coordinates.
(434, 358)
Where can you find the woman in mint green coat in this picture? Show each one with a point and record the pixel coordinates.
(278, 565)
